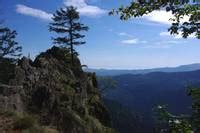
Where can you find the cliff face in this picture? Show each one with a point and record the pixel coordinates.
(61, 97)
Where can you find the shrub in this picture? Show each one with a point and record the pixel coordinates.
(24, 122)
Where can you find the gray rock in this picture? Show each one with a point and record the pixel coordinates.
(61, 95)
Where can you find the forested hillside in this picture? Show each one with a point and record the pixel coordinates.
(141, 93)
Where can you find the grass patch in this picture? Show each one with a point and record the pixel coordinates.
(7, 113)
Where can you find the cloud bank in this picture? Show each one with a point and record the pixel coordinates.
(125, 34)
(162, 17)
(37, 13)
(84, 8)
(130, 41)
(178, 36)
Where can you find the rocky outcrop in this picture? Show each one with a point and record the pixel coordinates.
(11, 98)
(61, 96)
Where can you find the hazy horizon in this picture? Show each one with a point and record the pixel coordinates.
(99, 68)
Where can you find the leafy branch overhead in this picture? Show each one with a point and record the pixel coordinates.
(67, 25)
(178, 8)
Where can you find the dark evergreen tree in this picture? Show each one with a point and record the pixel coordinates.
(67, 25)
(9, 48)
(9, 52)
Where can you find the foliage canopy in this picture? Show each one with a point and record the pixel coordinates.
(179, 8)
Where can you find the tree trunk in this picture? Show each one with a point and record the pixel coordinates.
(71, 44)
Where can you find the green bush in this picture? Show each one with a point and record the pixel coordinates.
(24, 122)
(7, 113)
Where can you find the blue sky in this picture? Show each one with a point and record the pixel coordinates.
(111, 43)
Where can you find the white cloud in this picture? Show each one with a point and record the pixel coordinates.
(125, 34)
(81, 5)
(164, 33)
(178, 36)
(84, 8)
(22, 9)
(165, 44)
(130, 41)
(162, 17)
(122, 33)
(167, 34)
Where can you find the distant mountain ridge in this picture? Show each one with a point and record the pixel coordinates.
(113, 72)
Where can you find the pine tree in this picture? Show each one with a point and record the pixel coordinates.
(9, 48)
(9, 52)
(66, 24)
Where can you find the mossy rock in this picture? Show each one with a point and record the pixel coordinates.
(95, 126)
(69, 90)
(24, 123)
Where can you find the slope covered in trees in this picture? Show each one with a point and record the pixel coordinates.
(141, 93)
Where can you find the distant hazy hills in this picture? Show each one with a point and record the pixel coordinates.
(112, 72)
